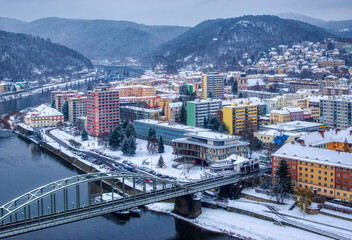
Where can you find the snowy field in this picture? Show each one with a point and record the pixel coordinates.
(238, 225)
(180, 171)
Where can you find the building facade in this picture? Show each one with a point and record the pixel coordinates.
(77, 107)
(212, 86)
(173, 111)
(131, 113)
(103, 111)
(336, 112)
(43, 116)
(209, 147)
(239, 117)
(199, 109)
(327, 172)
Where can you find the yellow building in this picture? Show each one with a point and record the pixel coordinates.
(314, 112)
(173, 111)
(212, 86)
(238, 117)
(279, 116)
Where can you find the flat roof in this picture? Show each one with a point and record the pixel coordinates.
(185, 140)
(186, 128)
(292, 126)
(213, 135)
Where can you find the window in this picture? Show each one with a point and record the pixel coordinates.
(338, 175)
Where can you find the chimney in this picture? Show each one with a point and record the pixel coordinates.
(350, 132)
(322, 133)
(292, 142)
(337, 130)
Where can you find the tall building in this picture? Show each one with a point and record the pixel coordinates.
(336, 112)
(212, 86)
(199, 109)
(77, 107)
(103, 110)
(238, 117)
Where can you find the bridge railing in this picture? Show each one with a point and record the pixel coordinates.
(79, 192)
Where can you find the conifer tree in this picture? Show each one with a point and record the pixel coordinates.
(65, 110)
(161, 147)
(152, 141)
(84, 135)
(115, 137)
(282, 182)
(161, 162)
(183, 114)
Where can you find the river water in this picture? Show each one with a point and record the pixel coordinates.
(23, 167)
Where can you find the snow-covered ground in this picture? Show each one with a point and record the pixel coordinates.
(180, 171)
(326, 223)
(237, 225)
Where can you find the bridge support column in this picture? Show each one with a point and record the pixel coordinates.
(188, 206)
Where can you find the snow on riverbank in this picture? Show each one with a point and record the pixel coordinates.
(237, 225)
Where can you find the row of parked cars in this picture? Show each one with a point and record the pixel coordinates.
(105, 154)
(150, 171)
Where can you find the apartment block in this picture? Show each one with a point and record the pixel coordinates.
(336, 112)
(212, 86)
(199, 109)
(103, 110)
(77, 107)
(173, 111)
(239, 117)
(63, 92)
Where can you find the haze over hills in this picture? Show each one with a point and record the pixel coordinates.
(222, 41)
(27, 57)
(339, 28)
(99, 39)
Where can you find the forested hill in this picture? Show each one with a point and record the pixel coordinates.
(223, 41)
(26, 57)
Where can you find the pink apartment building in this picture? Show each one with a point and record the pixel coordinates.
(103, 110)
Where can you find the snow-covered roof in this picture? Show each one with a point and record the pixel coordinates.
(213, 135)
(314, 155)
(44, 111)
(332, 135)
(253, 81)
(175, 105)
(294, 126)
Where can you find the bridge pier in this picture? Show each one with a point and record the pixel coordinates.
(188, 206)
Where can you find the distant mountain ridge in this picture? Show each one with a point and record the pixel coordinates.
(26, 57)
(222, 41)
(99, 39)
(340, 28)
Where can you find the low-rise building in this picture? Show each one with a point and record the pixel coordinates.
(167, 130)
(327, 172)
(208, 147)
(43, 116)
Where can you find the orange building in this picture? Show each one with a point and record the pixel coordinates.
(324, 171)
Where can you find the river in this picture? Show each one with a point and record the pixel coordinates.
(24, 166)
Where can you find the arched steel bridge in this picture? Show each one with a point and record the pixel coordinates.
(90, 195)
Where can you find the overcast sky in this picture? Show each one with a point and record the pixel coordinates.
(171, 12)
